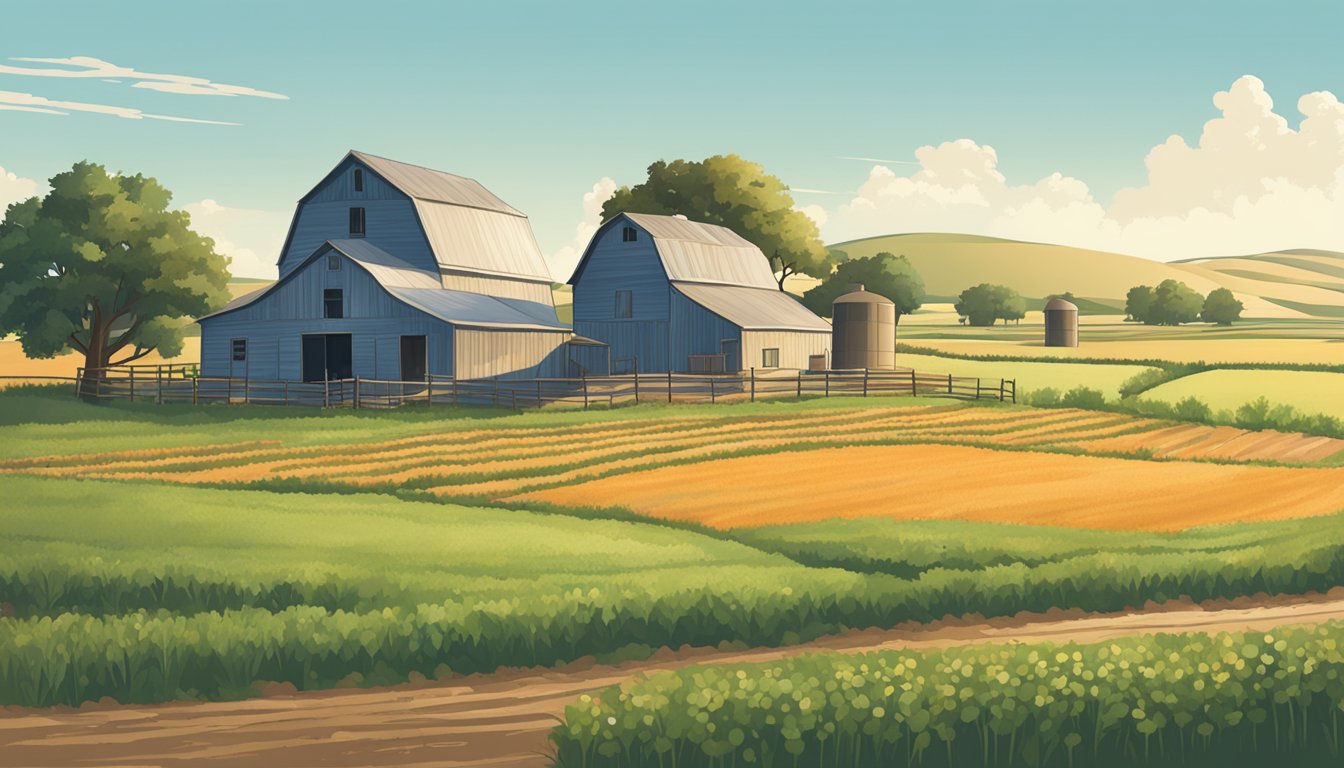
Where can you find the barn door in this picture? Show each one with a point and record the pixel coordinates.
(731, 349)
(413, 363)
(314, 358)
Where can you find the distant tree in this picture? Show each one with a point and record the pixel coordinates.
(102, 266)
(737, 194)
(985, 304)
(1174, 303)
(1137, 303)
(1221, 307)
(883, 273)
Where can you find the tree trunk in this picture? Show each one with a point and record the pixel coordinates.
(95, 361)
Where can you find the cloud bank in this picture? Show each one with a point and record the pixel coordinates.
(1251, 183)
(251, 239)
(15, 188)
(563, 261)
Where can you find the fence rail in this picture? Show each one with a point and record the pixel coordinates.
(586, 391)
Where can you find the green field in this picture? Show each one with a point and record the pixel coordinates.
(1307, 391)
(1235, 699)
(1030, 376)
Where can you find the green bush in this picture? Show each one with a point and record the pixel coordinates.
(1234, 699)
(1083, 397)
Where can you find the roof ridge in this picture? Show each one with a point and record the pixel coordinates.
(362, 153)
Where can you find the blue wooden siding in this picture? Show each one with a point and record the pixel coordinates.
(390, 220)
(613, 266)
(695, 330)
(274, 326)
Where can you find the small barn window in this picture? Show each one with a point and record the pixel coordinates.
(333, 303)
(239, 350)
(770, 357)
(334, 262)
(359, 180)
(629, 235)
(625, 305)
(357, 221)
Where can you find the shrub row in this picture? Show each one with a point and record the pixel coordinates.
(1237, 699)
(143, 656)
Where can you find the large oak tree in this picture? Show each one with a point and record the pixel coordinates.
(101, 265)
(883, 273)
(737, 194)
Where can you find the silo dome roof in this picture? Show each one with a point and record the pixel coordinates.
(861, 296)
(1058, 304)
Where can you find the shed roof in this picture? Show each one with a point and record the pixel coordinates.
(424, 291)
(705, 253)
(754, 309)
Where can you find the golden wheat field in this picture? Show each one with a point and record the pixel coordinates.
(948, 482)
(625, 461)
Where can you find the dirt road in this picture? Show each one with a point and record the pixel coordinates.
(500, 719)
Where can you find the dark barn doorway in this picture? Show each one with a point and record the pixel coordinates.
(327, 357)
(414, 366)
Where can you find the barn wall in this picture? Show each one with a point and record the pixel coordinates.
(695, 330)
(390, 220)
(274, 325)
(507, 353)
(615, 265)
(794, 347)
(501, 287)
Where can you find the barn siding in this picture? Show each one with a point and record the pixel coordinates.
(696, 331)
(615, 265)
(514, 354)
(502, 287)
(794, 347)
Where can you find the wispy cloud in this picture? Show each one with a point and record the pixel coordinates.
(808, 191)
(27, 102)
(89, 67)
(877, 160)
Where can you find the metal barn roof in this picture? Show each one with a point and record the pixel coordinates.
(483, 242)
(427, 184)
(706, 253)
(754, 308)
(424, 291)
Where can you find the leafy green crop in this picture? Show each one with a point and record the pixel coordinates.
(1237, 699)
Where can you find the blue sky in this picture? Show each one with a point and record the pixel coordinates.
(541, 100)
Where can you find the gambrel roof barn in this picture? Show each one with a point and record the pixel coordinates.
(680, 295)
(393, 271)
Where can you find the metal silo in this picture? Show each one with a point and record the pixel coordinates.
(1061, 323)
(863, 331)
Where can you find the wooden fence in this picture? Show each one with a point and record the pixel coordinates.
(116, 384)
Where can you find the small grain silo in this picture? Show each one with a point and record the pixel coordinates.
(1061, 323)
(863, 331)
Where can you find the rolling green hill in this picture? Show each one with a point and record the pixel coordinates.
(1282, 284)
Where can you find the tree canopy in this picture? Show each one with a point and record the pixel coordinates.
(1171, 303)
(883, 273)
(985, 304)
(102, 266)
(735, 193)
(1221, 307)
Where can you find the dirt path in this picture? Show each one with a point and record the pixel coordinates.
(500, 719)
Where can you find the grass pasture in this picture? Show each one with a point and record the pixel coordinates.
(1030, 375)
(1307, 391)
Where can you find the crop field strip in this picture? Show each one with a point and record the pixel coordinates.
(1198, 441)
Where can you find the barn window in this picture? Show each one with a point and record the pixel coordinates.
(239, 350)
(629, 235)
(770, 357)
(625, 305)
(334, 262)
(333, 303)
(359, 180)
(357, 221)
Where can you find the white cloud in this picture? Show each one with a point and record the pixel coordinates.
(563, 261)
(250, 238)
(1252, 183)
(27, 102)
(815, 212)
(15, 188)
(89, 67)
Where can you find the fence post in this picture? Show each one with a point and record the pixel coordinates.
(158, 385)
(132, 383)
(865, 382)
(1014, 391)
(669, 383)
(753, 384)
(1000, 390)
(585, 390)
(326, 391)
(828, 383)
(711, 390)
(977, 387)
(800, 385)
(538, 392)
(949, 383)
(194, 382)
(228, 391)
(247, 388)
(356, 402)
(286, 390)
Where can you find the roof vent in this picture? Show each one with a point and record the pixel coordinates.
(856, 287)
(680, 216)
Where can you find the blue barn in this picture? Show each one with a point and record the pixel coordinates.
(392, 271)
(669, 294)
